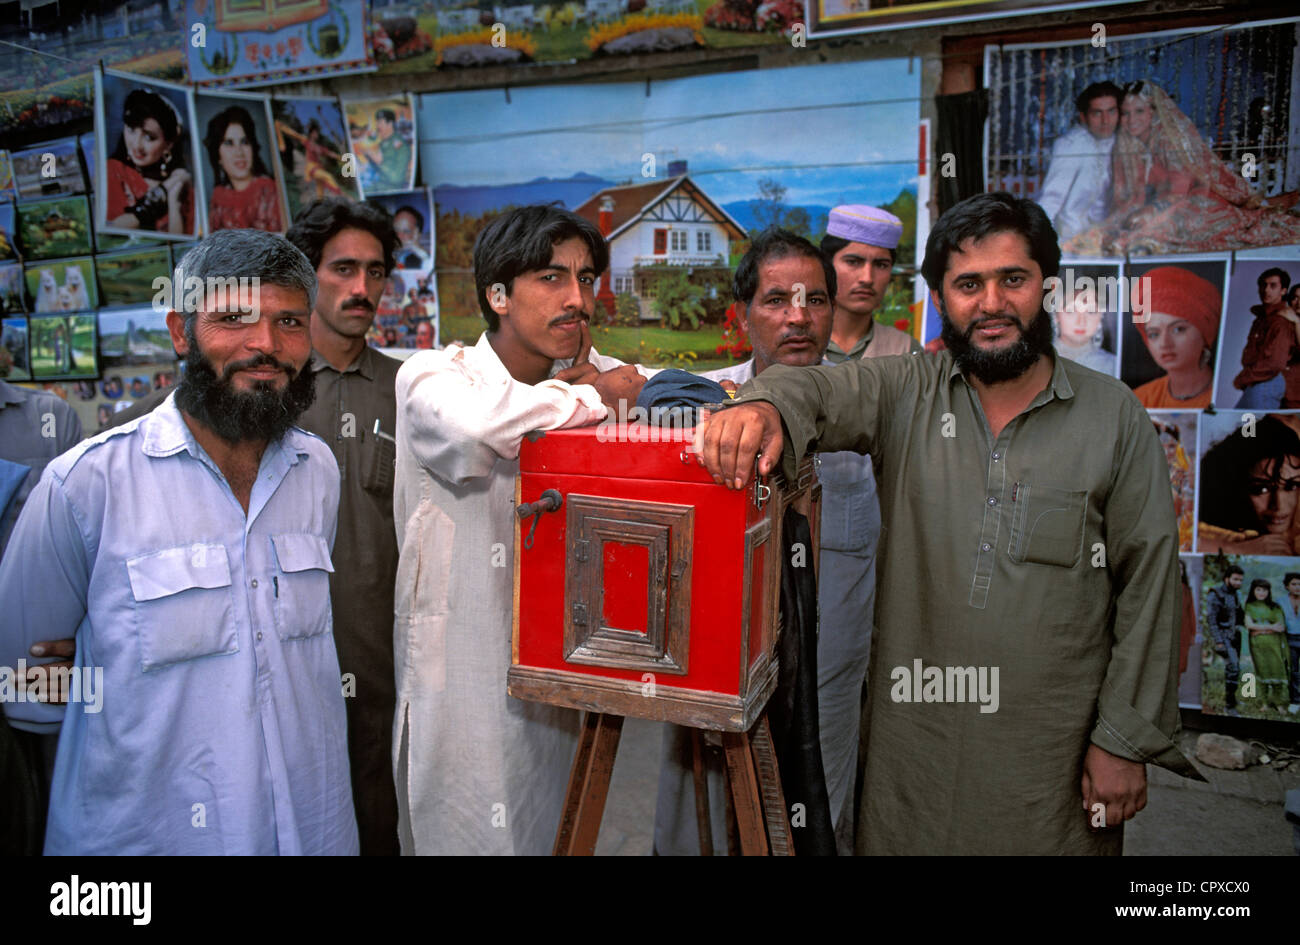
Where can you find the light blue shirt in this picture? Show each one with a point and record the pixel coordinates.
(220, 727)
(1292, 618)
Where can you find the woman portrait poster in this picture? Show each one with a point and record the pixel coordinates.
(242, 183)
(1249, 486)
(145, 169)
(1170, 343)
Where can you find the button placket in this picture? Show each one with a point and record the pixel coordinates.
(994, 487)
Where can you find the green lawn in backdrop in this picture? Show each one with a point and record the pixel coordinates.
(652, 346)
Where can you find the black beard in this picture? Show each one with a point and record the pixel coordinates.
(1004, 364)
(234, 415)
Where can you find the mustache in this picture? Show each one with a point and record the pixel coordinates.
(261, 360)
(359, 301)
(986, 319)
(796, 336)
(565, 319)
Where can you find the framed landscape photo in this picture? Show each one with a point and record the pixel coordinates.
(126, 277)
(49, 229)
(133, 336)
(63, 346)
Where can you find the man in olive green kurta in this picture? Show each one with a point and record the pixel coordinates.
(1048, 551)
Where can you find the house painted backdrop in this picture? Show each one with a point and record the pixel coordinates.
(691, 166)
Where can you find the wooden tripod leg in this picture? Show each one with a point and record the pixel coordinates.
(701, 793)
(744, 791)
(733, 829)
(769, 781)
(584, 802)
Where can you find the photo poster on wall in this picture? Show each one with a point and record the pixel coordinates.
(1185, 143)
(62, 346)
(312, 139)
(382, 137)
(413, 219)
(13, 338)
(127, 276)
(1259, 359)
(408, 312)
(8, 231)
(7, 189)
(839, 17)
(58, 226)
(61, 285)
(51, 169)
(148, 158)
(118, 388)
(1172, 327)
(13, 292)
(685, 185)
(47, 72)
(407, 315)
(415, 37)
(233, 42)
(241, 183)
(1250, 606)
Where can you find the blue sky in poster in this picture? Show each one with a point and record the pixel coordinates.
(829, 133)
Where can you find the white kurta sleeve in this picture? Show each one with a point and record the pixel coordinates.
(463, 414)
(1062, 170)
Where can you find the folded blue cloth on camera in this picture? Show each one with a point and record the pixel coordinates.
(672, 397)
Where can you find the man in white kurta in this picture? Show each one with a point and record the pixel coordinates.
(478, 771)
(1076, 190)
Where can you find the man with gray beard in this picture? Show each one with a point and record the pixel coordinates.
(188, 554)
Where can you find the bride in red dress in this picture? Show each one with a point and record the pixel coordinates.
(148, 187)
(244, 195)
(1171, 193)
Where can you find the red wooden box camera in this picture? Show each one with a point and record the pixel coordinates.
(651, 591)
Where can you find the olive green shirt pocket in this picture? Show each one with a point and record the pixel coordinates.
(1047, 525)
(377, 475)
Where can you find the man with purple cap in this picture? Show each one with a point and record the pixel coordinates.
(860, 242)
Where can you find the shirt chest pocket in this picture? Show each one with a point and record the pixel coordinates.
(183, 601)
(1047, 525)
(379, 454)
(302, 586)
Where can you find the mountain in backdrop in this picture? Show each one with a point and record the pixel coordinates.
(746, 212)
(479, 199)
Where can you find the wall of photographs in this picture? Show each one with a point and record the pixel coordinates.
(1176, 204)
(89, 222)
(1173, 191)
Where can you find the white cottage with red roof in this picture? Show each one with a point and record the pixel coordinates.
(660, 223)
